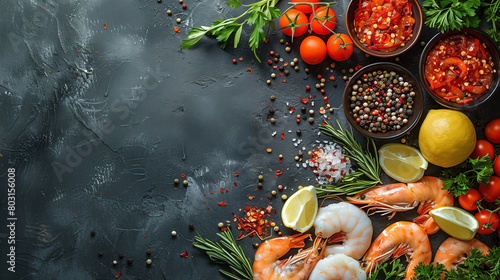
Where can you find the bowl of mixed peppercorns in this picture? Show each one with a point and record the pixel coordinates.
(383, 101)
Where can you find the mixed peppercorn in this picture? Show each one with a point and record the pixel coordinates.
(382, 101)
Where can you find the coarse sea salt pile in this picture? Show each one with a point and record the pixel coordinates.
(328, 162)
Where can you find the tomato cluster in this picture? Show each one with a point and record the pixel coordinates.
(313, 49)
(489, 192)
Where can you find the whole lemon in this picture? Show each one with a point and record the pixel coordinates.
(446, 137)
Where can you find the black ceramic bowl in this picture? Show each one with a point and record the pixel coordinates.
(490, 45)
(417, 107)
(417, 28)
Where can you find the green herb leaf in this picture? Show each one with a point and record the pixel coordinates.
(428, 272)
(194, 35)
(234, 3)
(459, 179)
(397, 271)
(446, 15)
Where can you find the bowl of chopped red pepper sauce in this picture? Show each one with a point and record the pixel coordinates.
(384, 28)
(459, 69)
(383, 101)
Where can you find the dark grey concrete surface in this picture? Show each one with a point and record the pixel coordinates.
(98, 123)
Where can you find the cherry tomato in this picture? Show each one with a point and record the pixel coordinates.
(339, 47)
(483, 148)
(491, 191)
(468, 200)
(305, 8)
(492, 131)
(485, 221)
(313, 50)
(294, 19)
(325, 21)
(496, 166)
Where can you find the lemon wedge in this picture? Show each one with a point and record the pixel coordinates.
(456, 222)
(299, 211)
(401, 162)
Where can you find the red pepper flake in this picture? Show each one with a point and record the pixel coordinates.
(235, 184)
(284, 80)
(279, 172)
(227, 190)
(291, 109)
(332, 78)
(275, 67)
(250, 197)
(223, 228)
(176, 29)
(402, 101)
(105, 27)
(183, 175)
(241, 58)
(266, 41)
(281, 74)
(236, 174)
(286, 64)
(185, 254)
(270, 198)
(358, 67)
(249, 70)
(254, 221)
(282, 135)
(221, 190)
(222, 204)
(118, 275)
(78, 51)
(304, 100)
(325, 99)
(241, 236)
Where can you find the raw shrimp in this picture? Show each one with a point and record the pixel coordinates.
(400, 238)
(337, 267)
(267, 265)
(427, 193)
(346, 223)
(453, 251)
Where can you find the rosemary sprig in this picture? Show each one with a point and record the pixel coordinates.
(368, 174)
(228, 253)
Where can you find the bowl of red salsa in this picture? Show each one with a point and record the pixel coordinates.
(459, 69)
(384, 28)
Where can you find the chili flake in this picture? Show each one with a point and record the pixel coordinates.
(282, 135)
(185, 254)
(176, 29)
(249, 70)
(236, 174)
(304, 100)
(118, 275)
(105, 27)
(279, 172)
(222, 204)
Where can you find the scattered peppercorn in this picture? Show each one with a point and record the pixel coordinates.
(220, 224)
(276, 228)
(173, 233)
(272, 120)
(256, 245)
(287, 72)
(273, 192)
(282, 41)
(311, 120)
(259, 185)
(148, 251)
(115, 262)
(234, 60)
(351, 70)
(185, 182)
(296, 68)
(397, 59)
(120, 256)
(92, 233)
(261, 177)
(176, 181)
(268, 82)
(277, 55)
(280, 187)
(280, 156)
(287, 49)
(149, 261)
(184, 6)
(273, 75)
(169, 12)
(273, 97)
(311, 112)
(178, 20)
(284, 197)
(129, 261)
(271, 111)
(100, 253)
(307, 70)
(422, 43)
(191, 227)
(269, 150)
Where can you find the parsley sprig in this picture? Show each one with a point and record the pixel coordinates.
(396, 272)
(446, 15)
(492, 13)
(258, 14)
(229, 253)
(459, 179)
(476, 266)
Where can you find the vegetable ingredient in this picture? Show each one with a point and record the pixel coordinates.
(468, 200)
(396, 272)
(493, 16)
(227, 252)
(294, 23)
(476, 266)
(368, 173)
(258, 14)
(323, 20)
(300, 209)
(483, 148)
(305, 8)
(447, 15)
(496, 166)
(384, 25)
(459, 179)
(459, 68)
(492, 131)
(339, 47)
(455, 221)
(403, 163)
(313, 50)
(488, 221)
(491, 190)
(446, 137)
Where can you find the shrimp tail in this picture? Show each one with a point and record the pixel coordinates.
(297, 240)
(337, 237)
(427, 223)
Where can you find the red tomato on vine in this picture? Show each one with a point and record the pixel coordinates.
(295, 21)
(468, 200)
(325, 20)
(488, 221)
(305, 8)
(340, 47)
(483, 148)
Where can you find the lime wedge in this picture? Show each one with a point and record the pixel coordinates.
(456, 222)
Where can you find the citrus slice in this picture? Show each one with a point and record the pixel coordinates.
(401, 162)
(300, 209)
(456, 222)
